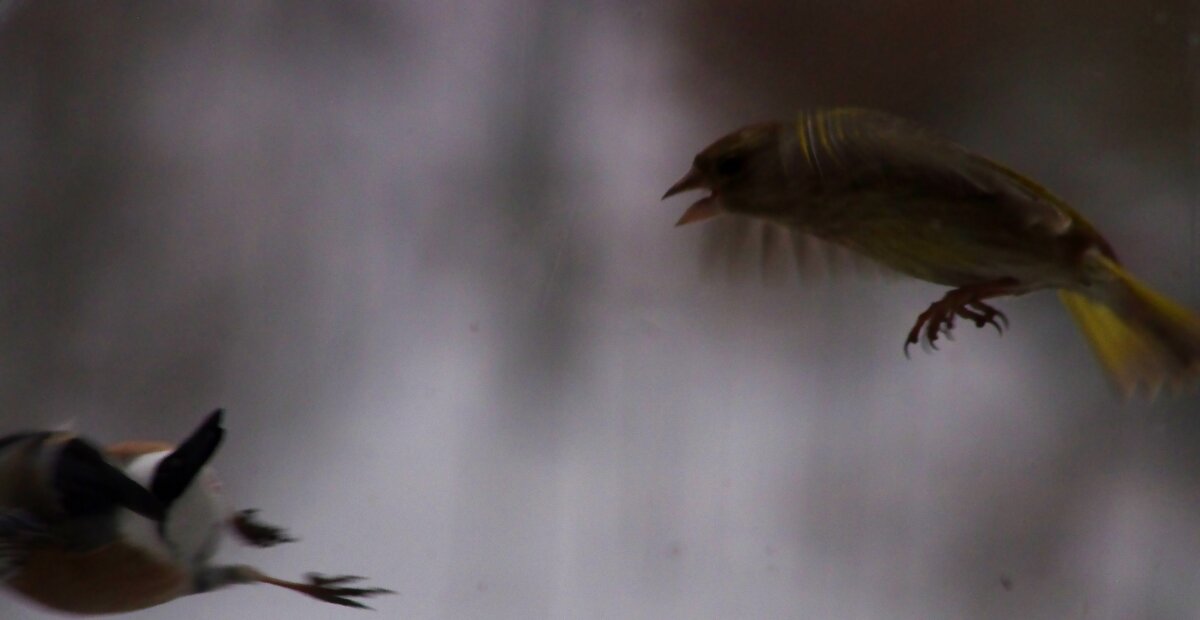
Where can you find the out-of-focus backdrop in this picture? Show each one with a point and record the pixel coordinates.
(416, 250)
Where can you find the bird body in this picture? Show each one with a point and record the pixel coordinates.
(152, 542)
(116, 577)
(921, 205)
(75, 559)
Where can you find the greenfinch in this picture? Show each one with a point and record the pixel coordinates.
(897, 193)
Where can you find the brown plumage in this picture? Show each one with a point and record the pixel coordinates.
(135, 526)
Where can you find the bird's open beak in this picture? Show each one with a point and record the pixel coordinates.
(692, 180)
(700, 210)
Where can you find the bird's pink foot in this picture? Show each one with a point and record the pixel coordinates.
(966, 302)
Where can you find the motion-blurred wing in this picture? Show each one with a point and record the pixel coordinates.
(19, 529)
(742, 247)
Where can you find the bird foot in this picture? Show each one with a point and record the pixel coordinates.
(333, 590)
(257, 533)
(967, 303)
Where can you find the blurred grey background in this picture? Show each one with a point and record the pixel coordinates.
(416, 250)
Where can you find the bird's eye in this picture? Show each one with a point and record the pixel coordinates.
(729, 165)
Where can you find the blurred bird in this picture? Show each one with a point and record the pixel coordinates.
(93, 532)
(918, 204)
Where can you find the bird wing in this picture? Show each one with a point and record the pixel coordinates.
(742, 247)
(89, 485)
(848, 149)
(63, 484)
(19, 531)
(177, 471)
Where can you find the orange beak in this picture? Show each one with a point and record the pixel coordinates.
(700, 210)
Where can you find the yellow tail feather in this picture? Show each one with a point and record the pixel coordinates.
(1141, 337)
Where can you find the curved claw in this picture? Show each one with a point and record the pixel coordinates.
(332, 590)
(931, 338)
(991, 313)
(965, 302)
(978, 318)
(984, 314)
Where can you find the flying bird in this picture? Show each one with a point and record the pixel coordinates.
(92, 530)
(897, 193)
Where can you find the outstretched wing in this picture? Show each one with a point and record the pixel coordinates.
(177, 471)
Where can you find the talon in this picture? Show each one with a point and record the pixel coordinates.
(997, 314)
(931, 331)
(990, 312)
(966, 302)
(331, 590)
(914, 334)
(987, 315)
(978, 319)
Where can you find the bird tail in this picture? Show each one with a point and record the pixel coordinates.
(1141, 337)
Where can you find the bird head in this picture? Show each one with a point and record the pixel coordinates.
(744, 173)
